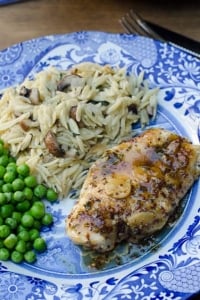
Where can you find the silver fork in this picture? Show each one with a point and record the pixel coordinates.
(132, 22)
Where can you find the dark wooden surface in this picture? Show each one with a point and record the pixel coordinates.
(33, 18)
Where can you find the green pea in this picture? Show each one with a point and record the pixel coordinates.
(39, 203)
(7, 187)
(21, 228)
(47, 219)
(40, 191)
(2, 171)
(12, 167)
(30, 256)
(16, 215)
(9, 196)
(9, 176)
(27, 221)
(6, 210)
(18, 196)
(51, 195)
(34, 233)
(18, 184)
(4, 231)
(21, 246)
(10, 241)
(23, 170)
(4, 160)
(28, 193)
(4, 254)
(23, 206)
(39, 244)
(16, 257)
(37, 210)
(3, 199)
(24, 235)
(30, 181)
(1, 221)
(11, 222)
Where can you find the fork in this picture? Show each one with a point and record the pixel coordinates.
(132, 22)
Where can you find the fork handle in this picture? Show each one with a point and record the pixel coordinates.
(177, 39)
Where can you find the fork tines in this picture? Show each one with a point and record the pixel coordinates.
(133, 23)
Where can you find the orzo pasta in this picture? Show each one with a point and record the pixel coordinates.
(61, 121)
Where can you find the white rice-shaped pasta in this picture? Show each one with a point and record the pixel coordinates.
(85, 110)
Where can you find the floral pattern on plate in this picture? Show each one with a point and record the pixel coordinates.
(167, 269)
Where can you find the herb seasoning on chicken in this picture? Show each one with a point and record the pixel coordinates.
(133, 189)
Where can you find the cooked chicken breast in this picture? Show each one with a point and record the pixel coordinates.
(133, 189)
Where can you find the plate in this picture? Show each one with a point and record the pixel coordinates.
(165, 268)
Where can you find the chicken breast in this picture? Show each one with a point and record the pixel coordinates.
(133, 189)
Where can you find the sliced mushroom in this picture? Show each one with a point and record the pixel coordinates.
(133, 108)
(27, 124)
(69, 81)
(72, 112)
(32, 94)
(52, 145)
(72, 115)
(24, 125)
(24, 91)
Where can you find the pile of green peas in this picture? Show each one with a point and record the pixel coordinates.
(22, 211)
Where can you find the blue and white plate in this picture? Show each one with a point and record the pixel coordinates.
(168, 266)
